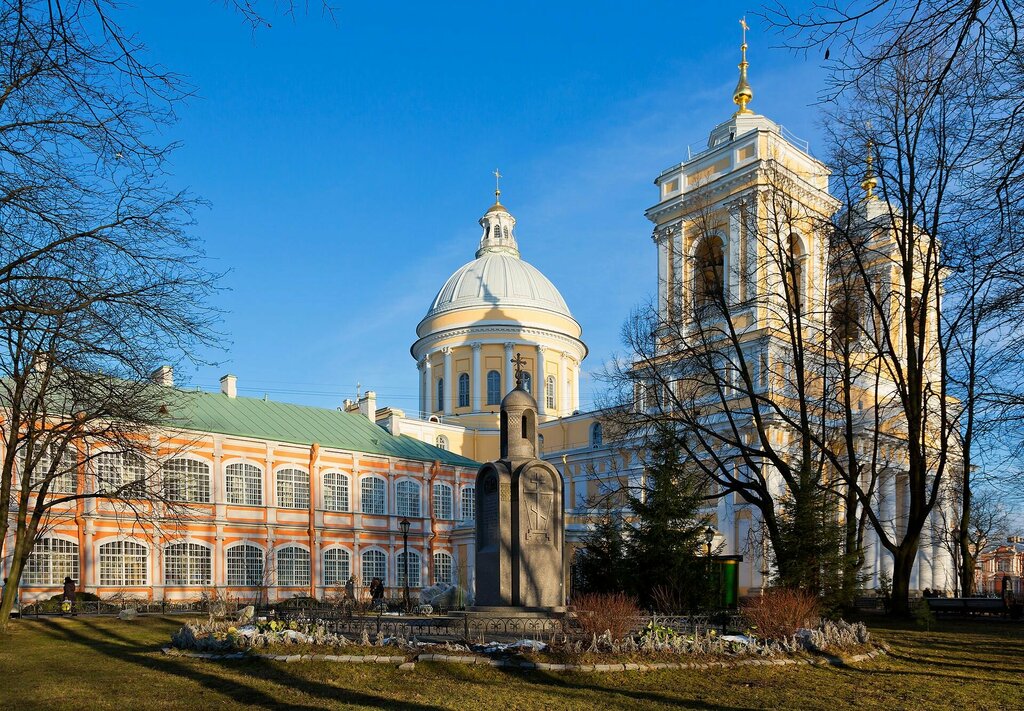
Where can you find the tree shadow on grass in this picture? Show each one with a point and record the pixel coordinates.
(131, 651)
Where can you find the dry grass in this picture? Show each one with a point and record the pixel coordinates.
(91, 663)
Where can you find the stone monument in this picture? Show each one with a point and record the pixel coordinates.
(520, 531)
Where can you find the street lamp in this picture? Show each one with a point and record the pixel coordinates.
(709, 537)
(404, 525)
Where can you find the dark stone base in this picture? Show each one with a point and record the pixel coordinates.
(510, 611)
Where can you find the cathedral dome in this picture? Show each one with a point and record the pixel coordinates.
(498, 279)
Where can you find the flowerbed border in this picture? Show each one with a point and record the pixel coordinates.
(405, 664)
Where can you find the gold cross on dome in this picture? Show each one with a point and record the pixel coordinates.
(519, 362)
(497, 183)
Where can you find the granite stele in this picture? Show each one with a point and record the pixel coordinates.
(520, 534)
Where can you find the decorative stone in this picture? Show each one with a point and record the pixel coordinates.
(407, 666)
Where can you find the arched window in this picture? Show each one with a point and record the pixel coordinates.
(464, 390)
(848, 312)
(292, 566)
(187, 564)
(337, 566)
(123, 563)
(540, 443)
(443, 569)
(414, 569)
(245, 566)
(549, 392)
(407, 499)
(440, 394)
(795, 273)
(186, 480)
(441, 442)
(244, 484)
(375, 565)
(468, 503)
(493, 388)
(120, 472)
(293, 489)
(528, 382)
(335, 491)
(709, 272)
(373, 497)
(51, 560)
(596, 435)
(443, 501)
(62, 476)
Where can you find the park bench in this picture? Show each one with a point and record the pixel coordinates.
(967, 606)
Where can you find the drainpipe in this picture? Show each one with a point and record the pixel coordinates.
(434, 471)
(314, 553)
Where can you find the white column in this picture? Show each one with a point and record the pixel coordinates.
(733, 258)
(476, 385)
(448, 389)
(563, 390)
(428, 376)
(541, 390)
(424, 385)
(509, 373)
(887, 487)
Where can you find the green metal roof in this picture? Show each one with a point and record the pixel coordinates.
(299, 424)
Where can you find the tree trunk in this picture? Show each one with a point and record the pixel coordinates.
(903, 567)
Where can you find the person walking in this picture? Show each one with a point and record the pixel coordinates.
(68, 603)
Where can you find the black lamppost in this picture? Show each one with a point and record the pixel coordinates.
(709, 537)
(404, 525)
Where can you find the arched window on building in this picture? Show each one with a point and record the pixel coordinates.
(468, 503)
(493, 388)
(373, 495)
(121, 472)
(709, 272)
(51, 560)
(244, 484)
(848, 310)
(186, 480)
(441, 442)
(337, 566)
(795, 282)
(464, 390)
(123, 564)
(440, 394)
(443, 569)
(62, 477)
(596, 435)
(443, 502)
(528, 382)
(187, 564)
(292, 489)
(540, 444)
(407, 498)
(336, 491)
(375, 565)
(414, 569)
(292, 564)
(245, 566)
(549, 392)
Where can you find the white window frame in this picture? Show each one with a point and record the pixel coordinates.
(292, 488)
(549, 392)
(493, 388)
(121, 562)
(194, 562)
(444, 503)
(415, 568)
(243, 484)
(187, 479)
(408, 495)
(245, 562)
(116, 470)
(336, 492)
(52, 559)
(471, 490)
(337, 566)
(378, 566)
(373, 491)
(443, 562)
(288, 566)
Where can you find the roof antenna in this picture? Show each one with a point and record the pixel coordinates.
(359, 390)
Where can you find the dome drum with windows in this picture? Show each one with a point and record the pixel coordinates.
(494, 306)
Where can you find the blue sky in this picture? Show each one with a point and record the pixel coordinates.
(346, 164)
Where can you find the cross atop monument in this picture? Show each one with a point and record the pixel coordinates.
(519, 362)
(497, 184)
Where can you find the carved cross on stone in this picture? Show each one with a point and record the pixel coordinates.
(539, 499)
(519, 362)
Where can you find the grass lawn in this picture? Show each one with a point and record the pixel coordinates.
(103, 663)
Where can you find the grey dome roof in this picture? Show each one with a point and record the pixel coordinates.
(496, 279)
